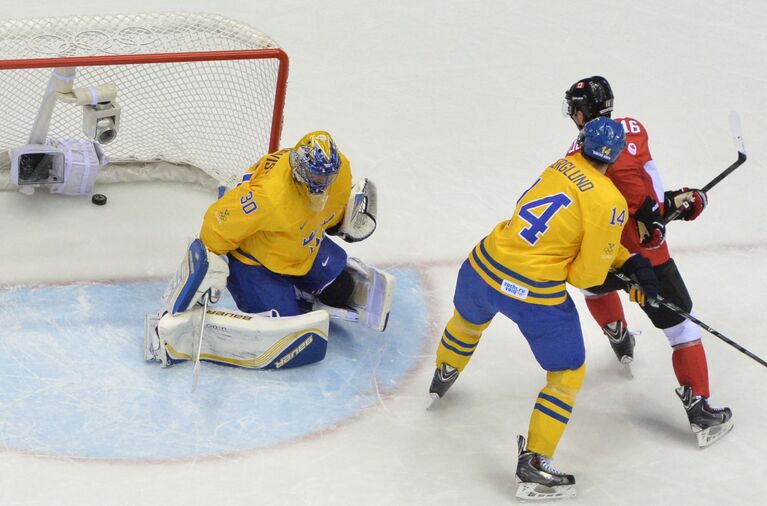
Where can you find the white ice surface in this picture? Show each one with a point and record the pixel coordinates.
(453, 107)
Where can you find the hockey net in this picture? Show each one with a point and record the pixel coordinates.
(195, 90)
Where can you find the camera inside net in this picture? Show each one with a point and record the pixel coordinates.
(36, 164)
(101, 121)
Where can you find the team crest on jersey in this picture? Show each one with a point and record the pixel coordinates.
(313, 240)
(222, 215)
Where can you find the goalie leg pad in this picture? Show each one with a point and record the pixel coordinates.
(372, 295)
(247, 340)
(200, 272)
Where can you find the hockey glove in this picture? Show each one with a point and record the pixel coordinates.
(652, 230)
(646, 288)
(685, 204)
(359, 221)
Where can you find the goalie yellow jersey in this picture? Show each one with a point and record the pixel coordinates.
(267, 220)
(565, 228)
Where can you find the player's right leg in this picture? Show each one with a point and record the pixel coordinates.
(462, 333)
(688, 358)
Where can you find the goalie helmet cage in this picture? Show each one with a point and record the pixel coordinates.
(195, 89)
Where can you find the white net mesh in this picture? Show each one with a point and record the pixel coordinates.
(216, 115)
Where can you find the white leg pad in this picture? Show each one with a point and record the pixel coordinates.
(372, 295)
(240, 339)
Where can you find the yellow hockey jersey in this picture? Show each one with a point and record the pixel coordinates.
(267, 220)
(565, 228)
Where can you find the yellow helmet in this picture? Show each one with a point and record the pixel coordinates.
(315, 161)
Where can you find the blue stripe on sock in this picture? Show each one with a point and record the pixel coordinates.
(452, 338)
(456, 350)
(556, 402)
(552, 414)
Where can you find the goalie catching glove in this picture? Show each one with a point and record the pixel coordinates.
(359, 221)
(688, 203)
(645, 291)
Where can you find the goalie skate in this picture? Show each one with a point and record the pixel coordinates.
(154, 348)
(538, 480)
(709, 424)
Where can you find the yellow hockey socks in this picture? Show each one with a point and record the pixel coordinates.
(552, 410)
(459, 340)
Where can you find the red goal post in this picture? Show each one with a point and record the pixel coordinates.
(194, 90)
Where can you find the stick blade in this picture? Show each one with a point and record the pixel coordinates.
(737, 133)
(196, 375)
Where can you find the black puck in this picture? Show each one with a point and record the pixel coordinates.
(99, 199)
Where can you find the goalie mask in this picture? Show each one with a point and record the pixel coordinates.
(315, 162)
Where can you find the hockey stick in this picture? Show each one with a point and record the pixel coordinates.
(737, 135)
(676, 309)
(197, 345)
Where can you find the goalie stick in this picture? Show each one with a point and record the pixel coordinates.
(197, 343)
(737, 135)
(676, 309)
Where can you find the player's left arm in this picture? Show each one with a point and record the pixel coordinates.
(359, 219)
(601, 246)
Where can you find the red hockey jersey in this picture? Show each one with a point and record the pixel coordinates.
(635, 175)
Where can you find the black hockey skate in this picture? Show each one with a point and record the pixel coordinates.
(538, 480)
(444, 377)
(621, 340)
(707, 423)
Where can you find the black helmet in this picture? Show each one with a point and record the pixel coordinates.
(592, 96)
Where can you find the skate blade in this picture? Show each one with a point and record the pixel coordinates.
(433, 398)
(533, 492)
(626, 369)
(707, 437)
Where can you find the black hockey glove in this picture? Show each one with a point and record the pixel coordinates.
(684, 203)
(652, 230)
(640, 270)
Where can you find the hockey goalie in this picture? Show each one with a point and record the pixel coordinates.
(266, 242)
